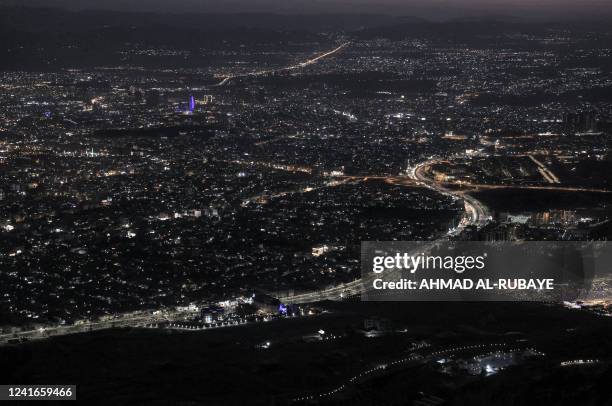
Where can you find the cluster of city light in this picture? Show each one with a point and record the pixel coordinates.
(203, 327)
(579, 362)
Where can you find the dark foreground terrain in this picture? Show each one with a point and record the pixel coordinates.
(229, 365)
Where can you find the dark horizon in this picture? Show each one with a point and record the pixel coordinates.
(432, 10)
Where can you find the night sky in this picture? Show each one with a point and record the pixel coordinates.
(423, 8)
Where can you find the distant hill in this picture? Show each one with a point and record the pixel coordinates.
(473, 28)
(50, 38)
(49, 19)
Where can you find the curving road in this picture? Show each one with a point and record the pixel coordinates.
(476, 214)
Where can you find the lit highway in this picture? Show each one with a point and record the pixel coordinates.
(480, 186)
(119, 322)
(476, 212)
(263, 197)
(546, 173)
(300, 65)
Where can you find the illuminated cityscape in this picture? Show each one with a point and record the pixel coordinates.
(185, 203)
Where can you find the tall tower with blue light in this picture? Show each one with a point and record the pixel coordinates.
(191, 103)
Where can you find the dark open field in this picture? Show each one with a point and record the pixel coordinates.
(137, 366)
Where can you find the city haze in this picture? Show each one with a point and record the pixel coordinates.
(435, 9)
